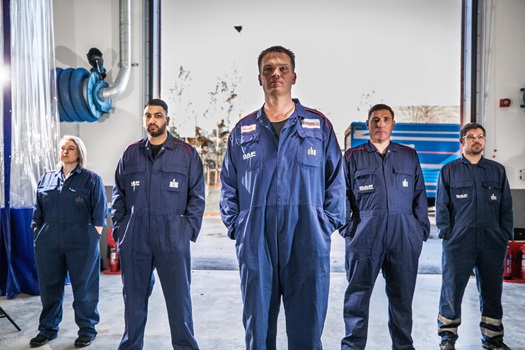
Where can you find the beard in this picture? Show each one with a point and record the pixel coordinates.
(475, 151)
(157, 132)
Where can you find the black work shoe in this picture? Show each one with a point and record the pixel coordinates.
(447, 344)
(39, 340)
(495, 345)
(83, 340)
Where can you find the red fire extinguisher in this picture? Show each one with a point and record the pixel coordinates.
(113, 261)
(507, 272)
(523, 262)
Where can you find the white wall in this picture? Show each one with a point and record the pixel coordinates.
(506, 67)
(350, 54)
(80, 25)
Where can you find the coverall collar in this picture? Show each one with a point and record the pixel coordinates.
(371, 148)
(482, 162)
(299, 112)
(167, 144)
(58, 171)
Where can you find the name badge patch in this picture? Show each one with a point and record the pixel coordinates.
(311, 123)
(493, 197)
(174, 183)
(366, 187)
(248, 128)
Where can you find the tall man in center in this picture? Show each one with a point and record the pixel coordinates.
(282, 197)
(386, 226)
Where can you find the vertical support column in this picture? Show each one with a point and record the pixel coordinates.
(5, 236)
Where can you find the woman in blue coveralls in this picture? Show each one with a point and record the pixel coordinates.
(68, 217)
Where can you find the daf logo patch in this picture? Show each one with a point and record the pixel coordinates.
(248, 155)
(462, 196)
(366, 188)
(405, 183)
(134, 184)
(174, 183)
(493, 197)
(311, 151)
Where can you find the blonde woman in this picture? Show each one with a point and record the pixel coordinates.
(68, 217)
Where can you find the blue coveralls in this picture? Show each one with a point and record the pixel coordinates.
(474, 216)
(158, 206)
(387, 222)
(281, 199)
(66, 240)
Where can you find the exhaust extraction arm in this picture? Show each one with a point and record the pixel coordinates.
(121, 82)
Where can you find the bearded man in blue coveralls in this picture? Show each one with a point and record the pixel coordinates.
(387, 222)
(282, 197)
(474, 217)
(158, 204)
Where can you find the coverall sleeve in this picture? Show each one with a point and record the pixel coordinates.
(38, 214)
(118, 205)
(229, 202)
(196, 202)
(443, 215)
(420, 201)
(334, 199)
(349, 227)
(99, 203)
(506, 213)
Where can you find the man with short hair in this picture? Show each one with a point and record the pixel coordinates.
(282, 197)
(387, 222)
(475, 220)
(158, 204)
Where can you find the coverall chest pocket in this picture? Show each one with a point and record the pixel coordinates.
(404, 179)
(47, 194)
(80, 196)
(174, 179)
(365, 182)
(135, 177)
(251, 154)
(310, 151)
(461, 192)
(492, 192)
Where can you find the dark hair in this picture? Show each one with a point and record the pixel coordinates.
(278, 49)
(379, 107)
(157, 102)
(470, 126)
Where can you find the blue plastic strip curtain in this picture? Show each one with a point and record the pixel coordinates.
(31, 131)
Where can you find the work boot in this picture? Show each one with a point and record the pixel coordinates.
(38, 341)
(447, 344)
(495, 345)
(83, 341)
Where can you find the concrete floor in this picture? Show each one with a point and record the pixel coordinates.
(218, 307)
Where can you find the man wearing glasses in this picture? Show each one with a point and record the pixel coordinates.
(475, 221)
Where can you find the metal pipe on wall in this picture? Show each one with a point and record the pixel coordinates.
(125, 54)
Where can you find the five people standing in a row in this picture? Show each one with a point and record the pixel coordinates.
(286, 188)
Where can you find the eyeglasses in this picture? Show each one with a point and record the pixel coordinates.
(472, 137)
